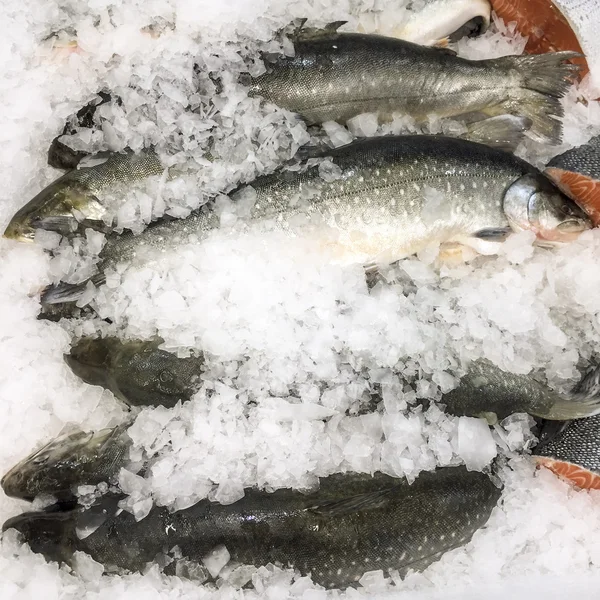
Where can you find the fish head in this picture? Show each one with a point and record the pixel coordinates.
(146, 375)
(51, 533)
(61, 207)
(91, 359)
(533, 203)
(137, 372)
(61, 464)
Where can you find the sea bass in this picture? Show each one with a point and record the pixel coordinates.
(577, 173)
(69, 461)
(487, 390)
(82, 197)
(390, 198)
(137, 372)
(336, 76)
(354, 523)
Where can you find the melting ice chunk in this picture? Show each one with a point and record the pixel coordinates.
(476, 445)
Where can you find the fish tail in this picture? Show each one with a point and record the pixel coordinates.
(505, 132)
(582, 402)
(62, 292)
(543, 79)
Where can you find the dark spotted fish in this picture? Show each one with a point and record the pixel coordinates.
(352, 524)
(137, 372)
(80, 458)
(487, 390)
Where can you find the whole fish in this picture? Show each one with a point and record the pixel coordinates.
(69, 461)
(392, 197)
(81, 197)
(137, 372)
(354, 523)
(577, 173)
(91, 195)
(573, 451)
(336, 76)
(487, 390)
(133, 370)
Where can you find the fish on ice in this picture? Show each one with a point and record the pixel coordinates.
(354, 523)
(138, 372)
(334, 76)
(377, 207)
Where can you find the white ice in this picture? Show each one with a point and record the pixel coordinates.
(294, 346)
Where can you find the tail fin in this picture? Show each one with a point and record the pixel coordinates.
(544, 80)
(505, 132)
(61, 293)
(583, 401)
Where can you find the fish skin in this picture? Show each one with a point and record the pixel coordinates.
(137, 372)
(486, 388)
(577, 173)
(68, 461)
(75, 201)
(574, 452)
(377, 210)
(336, 76)
(375, 522)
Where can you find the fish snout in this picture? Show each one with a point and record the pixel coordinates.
(19, 231)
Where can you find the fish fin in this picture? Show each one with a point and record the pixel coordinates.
(69, 292)
(442, 43)
(368, 501)
(310, 33)
(589, 386)
(306, 152)
(64, 224)
(445, 50)
(583, 401)
(493, 234)
(504, 132)
(544, 80)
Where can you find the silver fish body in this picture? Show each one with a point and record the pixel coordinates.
(393, 196)
(352, 524)
(336, 76)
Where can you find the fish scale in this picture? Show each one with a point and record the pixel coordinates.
(353, 524)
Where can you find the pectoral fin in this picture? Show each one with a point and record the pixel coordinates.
(361, 502)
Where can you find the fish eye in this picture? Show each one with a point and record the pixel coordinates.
(40, 460)
(166, 376)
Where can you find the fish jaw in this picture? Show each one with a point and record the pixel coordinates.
(578, 476)
(19, 231)
(585, 190)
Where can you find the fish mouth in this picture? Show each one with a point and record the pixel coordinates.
(576, 474)
(19, 232)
